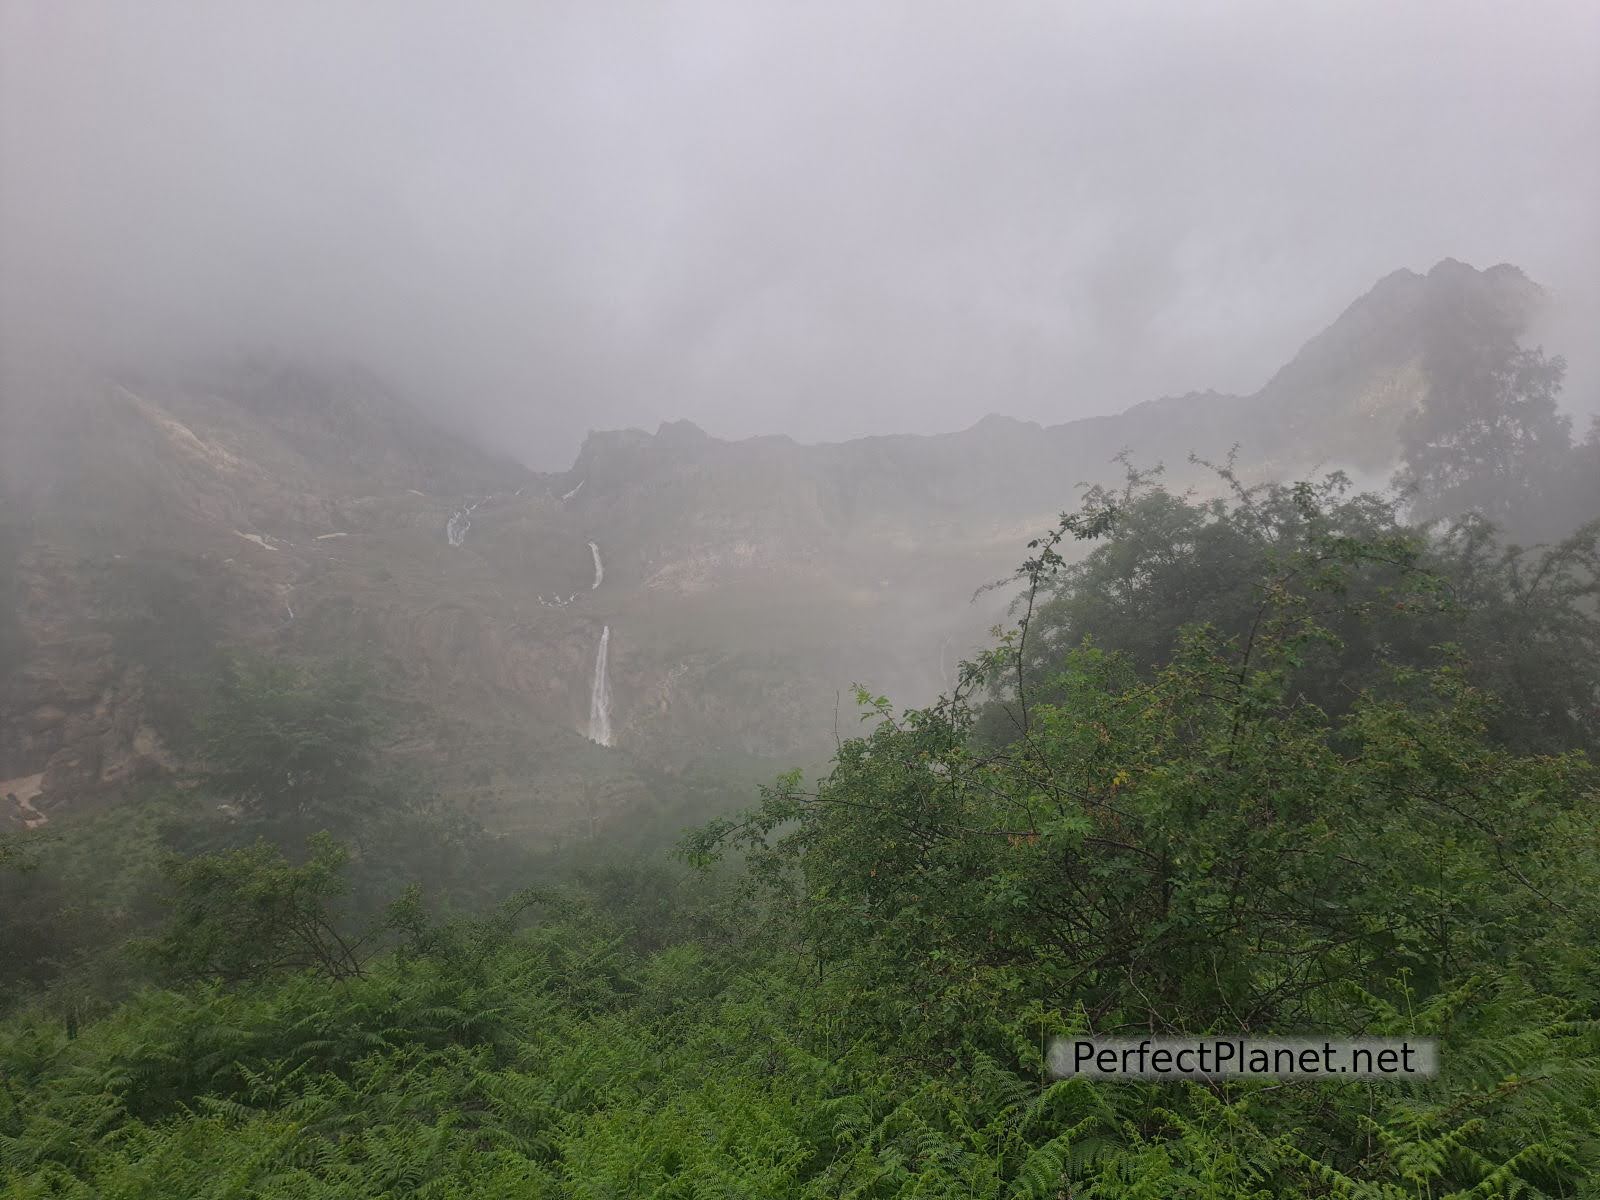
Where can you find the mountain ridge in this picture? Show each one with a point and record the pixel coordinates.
(155, 524)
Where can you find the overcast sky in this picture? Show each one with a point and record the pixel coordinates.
(823, 219)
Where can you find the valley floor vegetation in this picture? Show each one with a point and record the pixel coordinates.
(1285, 761)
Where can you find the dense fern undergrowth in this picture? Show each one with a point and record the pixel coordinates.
(1343, 787)
(564, 1066)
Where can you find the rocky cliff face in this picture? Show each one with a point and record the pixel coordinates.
(149, 524)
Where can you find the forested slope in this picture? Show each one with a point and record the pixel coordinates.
(1280, 761)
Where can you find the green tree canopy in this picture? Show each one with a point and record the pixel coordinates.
(1384, 592)
(244, 914)
(1490, 438)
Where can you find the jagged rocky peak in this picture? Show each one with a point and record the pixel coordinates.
(674, 438)
(681, 434)
(1403, 310)
(1350, 387)
(603, 448)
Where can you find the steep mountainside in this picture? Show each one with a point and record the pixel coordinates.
(150, 523)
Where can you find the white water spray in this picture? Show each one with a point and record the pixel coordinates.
(599, 571)
(600, 694)
(455, 530)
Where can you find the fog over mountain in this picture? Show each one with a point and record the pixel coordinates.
(684, 598)
(823, 220)
(668, 605)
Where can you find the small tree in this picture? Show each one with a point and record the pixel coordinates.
(243, 914)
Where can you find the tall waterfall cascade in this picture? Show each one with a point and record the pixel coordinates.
(599, 571)
(600, 694)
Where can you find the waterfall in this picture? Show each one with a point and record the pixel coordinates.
(600, 694)
(599, 571)
(565, 496)
(455, 530)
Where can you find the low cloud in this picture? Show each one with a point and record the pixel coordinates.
(824, 219)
